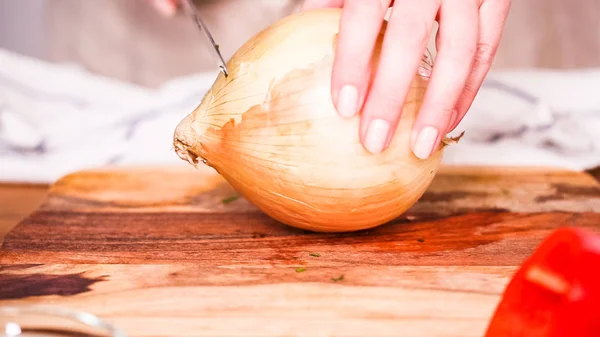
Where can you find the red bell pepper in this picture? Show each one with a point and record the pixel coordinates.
(555, 292)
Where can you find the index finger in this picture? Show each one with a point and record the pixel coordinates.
(360, 25)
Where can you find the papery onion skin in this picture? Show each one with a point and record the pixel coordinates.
(271, 130)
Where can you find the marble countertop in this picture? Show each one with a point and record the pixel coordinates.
(56, 119)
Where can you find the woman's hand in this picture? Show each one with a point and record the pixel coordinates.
(467, 40)
(167, 8)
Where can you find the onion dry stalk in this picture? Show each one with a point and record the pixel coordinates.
(271, 130)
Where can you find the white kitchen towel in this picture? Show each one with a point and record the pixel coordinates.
(533, 118)
(56, 119)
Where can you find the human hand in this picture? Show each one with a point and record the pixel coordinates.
(467, 40)
(167, 8)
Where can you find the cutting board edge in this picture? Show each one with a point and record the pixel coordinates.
(445, 168)
(209, 171)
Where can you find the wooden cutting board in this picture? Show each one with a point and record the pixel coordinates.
(171, 252)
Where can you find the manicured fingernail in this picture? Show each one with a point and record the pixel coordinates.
(165, 7)
(425, 142)
(347, 101)
(377, 135)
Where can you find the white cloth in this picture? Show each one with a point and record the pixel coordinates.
(533, 118)
(56, 119)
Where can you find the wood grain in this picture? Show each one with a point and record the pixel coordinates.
(595, 172)
(159, 252)
(17, 201)
(176, 300)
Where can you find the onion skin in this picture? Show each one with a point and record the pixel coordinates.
(271, 130)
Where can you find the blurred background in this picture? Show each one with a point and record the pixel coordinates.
(131, 41)
(104, 82)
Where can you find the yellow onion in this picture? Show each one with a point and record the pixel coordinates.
(271, 130)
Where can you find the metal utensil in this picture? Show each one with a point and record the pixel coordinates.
(193, 11)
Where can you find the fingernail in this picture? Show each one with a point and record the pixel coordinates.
(377, 135)
(347, 101)
(425, 142)
(165, 7)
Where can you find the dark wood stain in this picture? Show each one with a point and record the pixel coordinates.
(595, 172)
(565, 191)
(6, 267)
(429, 196)
(32, 285)
(462, 211)
(212, 239)
(436, 231)
(59, 333)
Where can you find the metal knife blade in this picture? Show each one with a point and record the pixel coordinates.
(194, 13)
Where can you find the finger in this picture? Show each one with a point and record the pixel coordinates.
(458, 34)
(405, 40)
(492, 16)
(359, 29)
(316, 4)
(165, 7)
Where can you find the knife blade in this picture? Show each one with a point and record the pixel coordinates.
(193, 11)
